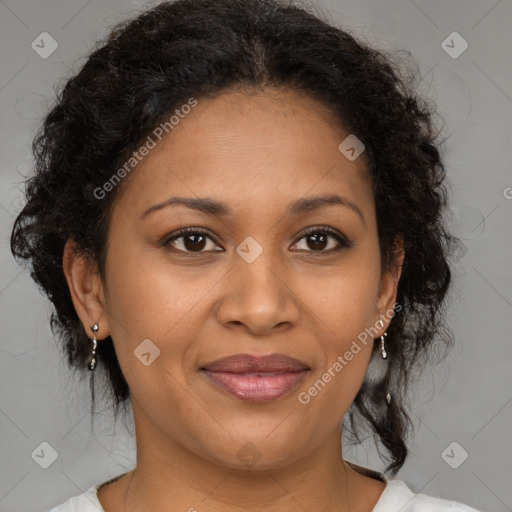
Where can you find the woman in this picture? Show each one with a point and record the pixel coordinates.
(237, 214)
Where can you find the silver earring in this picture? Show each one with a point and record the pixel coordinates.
(92, 362)
(383, 352)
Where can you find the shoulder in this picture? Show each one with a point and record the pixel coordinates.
(398, 496)
(85, 502)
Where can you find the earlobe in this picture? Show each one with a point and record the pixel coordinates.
(86, 289)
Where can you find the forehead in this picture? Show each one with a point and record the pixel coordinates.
(246, 147)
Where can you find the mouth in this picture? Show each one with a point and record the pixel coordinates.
(256, 379)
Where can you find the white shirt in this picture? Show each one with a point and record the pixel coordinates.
(396, 497)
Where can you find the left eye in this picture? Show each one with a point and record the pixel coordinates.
(318, 239)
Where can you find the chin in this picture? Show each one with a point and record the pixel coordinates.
(257, 454)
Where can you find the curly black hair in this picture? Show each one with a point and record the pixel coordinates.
(148, 66)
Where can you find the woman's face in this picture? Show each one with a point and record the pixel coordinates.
(252, 283)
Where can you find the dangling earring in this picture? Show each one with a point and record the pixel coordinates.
(92, 362)
(384, 355)
(383, 352)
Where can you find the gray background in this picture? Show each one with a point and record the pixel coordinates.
(471, 401)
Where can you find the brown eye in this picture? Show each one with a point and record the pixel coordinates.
(190, 241)
(318, 240)
(194, 242)
(324, 240)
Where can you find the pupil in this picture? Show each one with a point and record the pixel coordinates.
(319, 241)
(195, 245)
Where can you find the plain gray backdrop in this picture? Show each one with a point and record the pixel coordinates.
(462, 412)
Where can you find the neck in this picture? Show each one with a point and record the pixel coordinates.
(169, 477)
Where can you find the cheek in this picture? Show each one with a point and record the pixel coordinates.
(344, 302)
(334, 385)
(148, 308)
(148, 294)
(347, 315)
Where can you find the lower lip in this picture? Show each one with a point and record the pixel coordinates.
(256, 387)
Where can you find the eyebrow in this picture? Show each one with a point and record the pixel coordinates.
(211, 207)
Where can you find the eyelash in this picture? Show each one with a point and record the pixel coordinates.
(344, 243)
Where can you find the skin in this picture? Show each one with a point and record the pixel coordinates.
(257, 152)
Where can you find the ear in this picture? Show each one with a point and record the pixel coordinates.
(389, 285)
(86, 290)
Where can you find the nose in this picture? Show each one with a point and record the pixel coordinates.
(258, 297)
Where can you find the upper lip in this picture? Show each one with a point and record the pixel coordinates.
(246, 363)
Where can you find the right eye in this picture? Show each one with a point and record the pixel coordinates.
(189, 240)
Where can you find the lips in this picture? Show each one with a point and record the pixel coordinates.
(245, 363)
(256, 379)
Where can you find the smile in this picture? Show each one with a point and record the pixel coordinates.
(256, 387)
